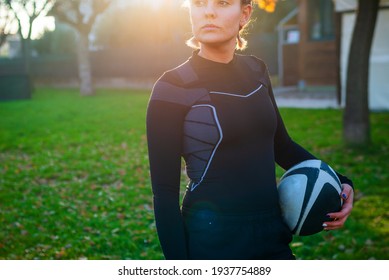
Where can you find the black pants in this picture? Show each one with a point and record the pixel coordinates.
(215, 236)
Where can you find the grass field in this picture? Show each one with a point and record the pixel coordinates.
(74, 180)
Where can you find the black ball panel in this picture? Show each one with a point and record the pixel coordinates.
(328, 201)
(321, 188)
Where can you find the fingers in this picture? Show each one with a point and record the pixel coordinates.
(334, 224)
(347, 193)
(339, 218)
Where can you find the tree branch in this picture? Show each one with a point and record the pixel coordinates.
(5, 21)
(62, 10)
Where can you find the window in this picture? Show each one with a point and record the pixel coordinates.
(321, 23)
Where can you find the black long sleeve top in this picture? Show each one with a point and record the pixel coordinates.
(224, 121)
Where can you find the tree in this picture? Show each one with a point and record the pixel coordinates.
(60, 41)
(356, 118)
(81, 15)
(29, 10)
(356, 123)
(6, 20)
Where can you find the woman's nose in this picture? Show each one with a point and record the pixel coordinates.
(210, 10)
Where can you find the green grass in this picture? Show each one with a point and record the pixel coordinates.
(74, 180)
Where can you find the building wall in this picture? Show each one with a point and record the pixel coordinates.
(317, 59)
(291, 75)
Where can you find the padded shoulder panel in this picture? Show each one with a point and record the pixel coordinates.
(253, 63)
(165, 91)
(186, 73)
(259, 66)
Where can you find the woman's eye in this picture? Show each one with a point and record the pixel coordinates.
(223, 3)
(198, 3)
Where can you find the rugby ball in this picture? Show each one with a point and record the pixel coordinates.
(307, 193)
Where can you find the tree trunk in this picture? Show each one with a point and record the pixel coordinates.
(3, 37)
(356, 123)
(26, 56)
(26, 52)
(27, 64)
(84, 66)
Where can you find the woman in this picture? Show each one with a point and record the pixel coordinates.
(218, 112)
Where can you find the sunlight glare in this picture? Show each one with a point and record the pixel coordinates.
(41, 25)
(154, 4)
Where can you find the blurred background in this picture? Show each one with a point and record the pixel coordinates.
(75, 80)
(130, 43)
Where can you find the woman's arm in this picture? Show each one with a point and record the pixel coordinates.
(289, 153)
(164, 134)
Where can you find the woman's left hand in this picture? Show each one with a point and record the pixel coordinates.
(339, 218)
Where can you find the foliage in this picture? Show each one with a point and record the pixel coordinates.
(264, 21)
(74, 181)
(31, 9)
(267, 5)
(6, 20)
(61, 40)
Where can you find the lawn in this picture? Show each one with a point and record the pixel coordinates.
(74, 180)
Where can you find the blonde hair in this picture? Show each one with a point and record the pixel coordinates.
(241, 43)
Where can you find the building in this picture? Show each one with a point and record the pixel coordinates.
(307, 45)
(314, 42)
(12, 47)
(379, 60)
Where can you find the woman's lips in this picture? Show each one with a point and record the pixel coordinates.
(210, 27)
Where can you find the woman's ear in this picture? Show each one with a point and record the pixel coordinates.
(246, 14)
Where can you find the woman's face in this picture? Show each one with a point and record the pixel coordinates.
(217, 22)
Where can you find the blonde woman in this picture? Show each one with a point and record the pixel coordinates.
(217, 111)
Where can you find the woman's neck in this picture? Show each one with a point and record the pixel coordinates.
(218, 54)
